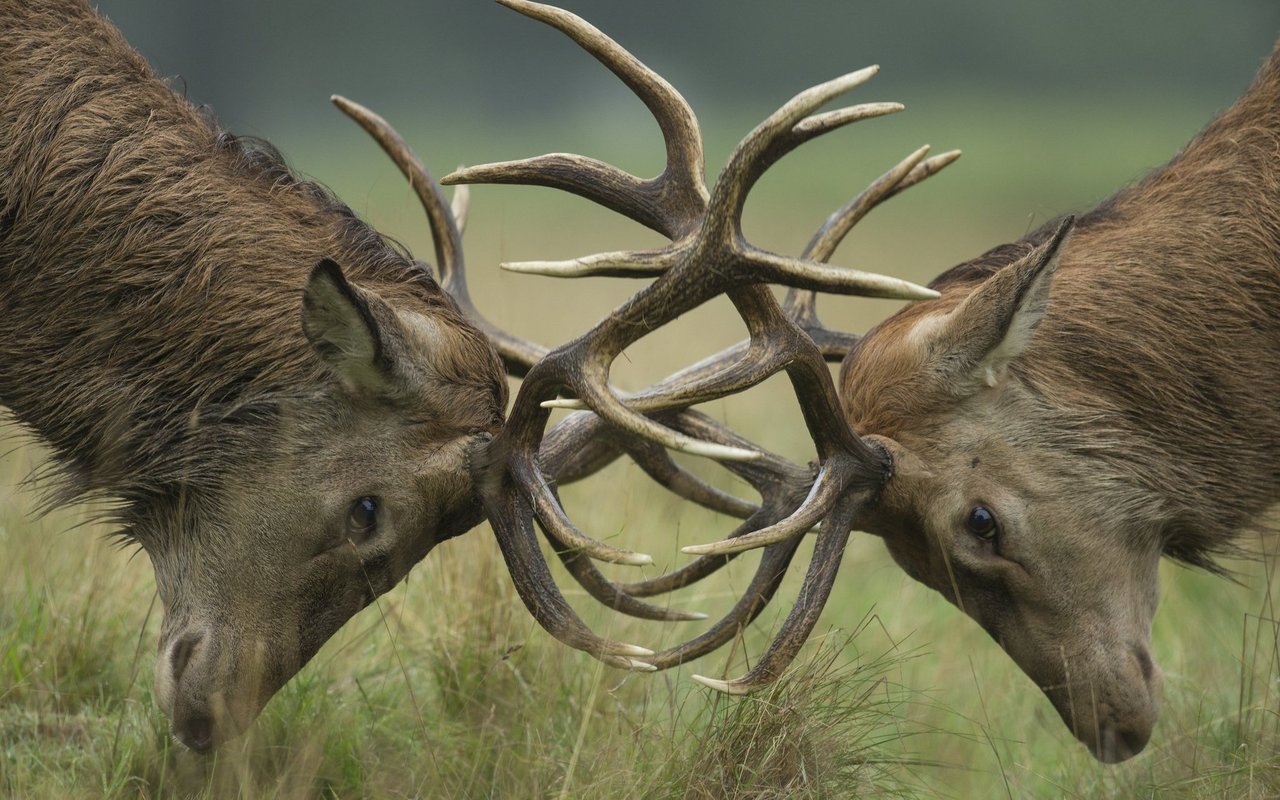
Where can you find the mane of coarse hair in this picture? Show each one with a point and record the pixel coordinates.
(164, 260)
(263, 162)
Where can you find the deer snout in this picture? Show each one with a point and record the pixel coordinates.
(1114, 713)
(210, 691)
(1115, 744)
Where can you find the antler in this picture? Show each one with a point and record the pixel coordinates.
(575, 450)
(708, 256)
(446, 223)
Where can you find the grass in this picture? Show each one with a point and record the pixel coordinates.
(446, 688)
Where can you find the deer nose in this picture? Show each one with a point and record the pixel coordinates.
(195, 731)
(1116, 743)
(181, 679)
(184, 647)
(1150, 672)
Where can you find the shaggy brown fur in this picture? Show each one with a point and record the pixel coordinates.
(153, 265)
(152, 276)
(1140, 418)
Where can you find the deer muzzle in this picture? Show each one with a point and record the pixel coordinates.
(212, 685)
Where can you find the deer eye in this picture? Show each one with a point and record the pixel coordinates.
(362, 518)
(982, 523)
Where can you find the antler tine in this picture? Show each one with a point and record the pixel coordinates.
(606, 591)
(801, 304)
(582, 444)
(827, 554)
(657, 463)
(679, 188)
(764, 584)
(826, 490)
(778, 135)
(643, 264)
(779, 498)
(906, 173)
(583, 431)
(518, 355)
(780, 483)
(547, 509)
(782, 487)
(511, 518)
(647, 264)
(610, 594)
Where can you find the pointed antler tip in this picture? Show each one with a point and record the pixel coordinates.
(573, 268)
(698, 549)
(717, 452)
(638, 666)
(728, 687)
(634, 650)
(570, 403)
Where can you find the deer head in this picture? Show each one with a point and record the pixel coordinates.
(363, 478)
(986, 507)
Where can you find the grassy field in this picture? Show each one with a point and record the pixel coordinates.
(446, 688)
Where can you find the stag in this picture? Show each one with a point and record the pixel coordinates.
(279, 402)
(1083, 401)
(1028, 442)
(287, 412)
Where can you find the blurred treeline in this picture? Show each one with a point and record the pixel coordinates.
(267, 65)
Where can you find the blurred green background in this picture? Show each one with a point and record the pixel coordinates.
(266, 66)
(1055, 105)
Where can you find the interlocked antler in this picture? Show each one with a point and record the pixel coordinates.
(708, 256)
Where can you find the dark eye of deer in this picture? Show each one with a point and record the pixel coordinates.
(362, 518)
(982, 523)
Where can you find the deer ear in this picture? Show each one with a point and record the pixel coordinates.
(994, 324)
(352, 330)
